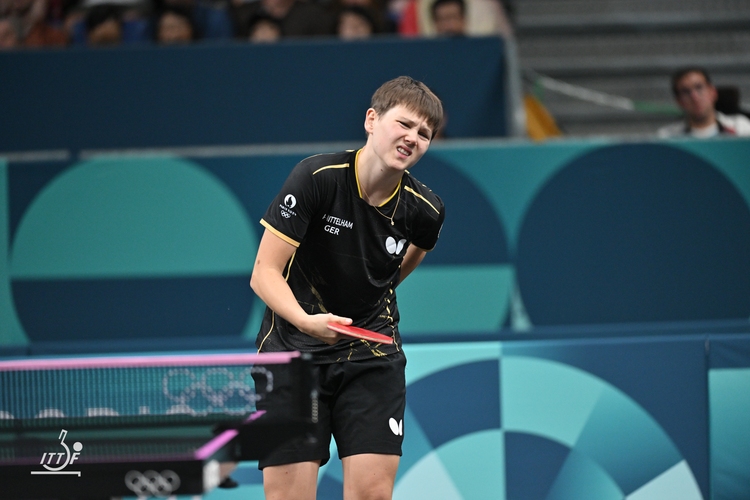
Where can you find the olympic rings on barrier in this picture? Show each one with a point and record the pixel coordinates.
(215, 385)
(152, 483)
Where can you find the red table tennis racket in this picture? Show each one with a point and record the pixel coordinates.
(360, 333)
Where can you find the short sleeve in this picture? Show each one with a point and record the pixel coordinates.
(427, 230)
(289, 214)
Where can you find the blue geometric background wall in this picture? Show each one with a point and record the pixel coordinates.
(152, 249)
(527, 421)
(557, 337)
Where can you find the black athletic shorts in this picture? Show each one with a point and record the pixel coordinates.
(361, 404)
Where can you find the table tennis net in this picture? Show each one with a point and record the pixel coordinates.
(42, 393)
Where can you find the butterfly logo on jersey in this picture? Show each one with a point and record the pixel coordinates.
(394, 247)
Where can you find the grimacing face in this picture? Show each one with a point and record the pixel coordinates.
(399, 136)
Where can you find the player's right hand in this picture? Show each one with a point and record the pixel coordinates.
(316, 326)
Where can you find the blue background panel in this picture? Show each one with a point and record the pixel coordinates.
(287, 92)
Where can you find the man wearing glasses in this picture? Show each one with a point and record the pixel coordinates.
(696, 96)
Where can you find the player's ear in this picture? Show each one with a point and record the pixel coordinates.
(714, 93)
(370, 118)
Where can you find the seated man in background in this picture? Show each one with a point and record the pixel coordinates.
(449, 17)
(482, 18)
(696, 96)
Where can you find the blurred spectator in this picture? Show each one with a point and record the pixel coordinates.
(395, 12)
(483, 17)
(264, 29)
(128, 9)
(449, 17)
(697, 96)
(175, 26)
(356, 22)
(377, 10)
(59, 10)
(210, 18)
(296, 17)
(104, 25)
(9, 38)
(30, 20)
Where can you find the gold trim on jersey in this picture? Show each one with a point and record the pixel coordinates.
(342, 165)
(279, 233)
(410, 190)
(270, 330)
(289, 266)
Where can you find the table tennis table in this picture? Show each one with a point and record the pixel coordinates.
(56, 455)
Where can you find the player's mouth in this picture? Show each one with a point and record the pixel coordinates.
(403, 151)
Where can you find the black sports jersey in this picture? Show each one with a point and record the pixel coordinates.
(349, 253)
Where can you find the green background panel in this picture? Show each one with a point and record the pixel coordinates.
(471, 467)
(454, 299)
(425, 359)
(131, 217)
(676, 483)
(11, 331)
(584, 479)
(547, 398)
(729, 393)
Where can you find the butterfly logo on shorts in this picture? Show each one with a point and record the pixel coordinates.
(397, 427)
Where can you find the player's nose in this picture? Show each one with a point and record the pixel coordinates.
(411, 137)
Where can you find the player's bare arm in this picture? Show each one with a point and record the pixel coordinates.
(268, 282)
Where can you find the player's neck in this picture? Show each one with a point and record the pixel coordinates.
(377, 182)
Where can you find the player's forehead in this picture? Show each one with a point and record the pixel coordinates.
(410, 113)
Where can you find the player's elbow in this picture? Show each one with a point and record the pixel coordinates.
(255, 281)
(260, 279)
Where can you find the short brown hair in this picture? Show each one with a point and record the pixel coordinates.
(681, 73)
(412, 94)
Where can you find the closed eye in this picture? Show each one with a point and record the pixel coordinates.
(424, 133)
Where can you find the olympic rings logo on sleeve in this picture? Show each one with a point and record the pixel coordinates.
(152, 483)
